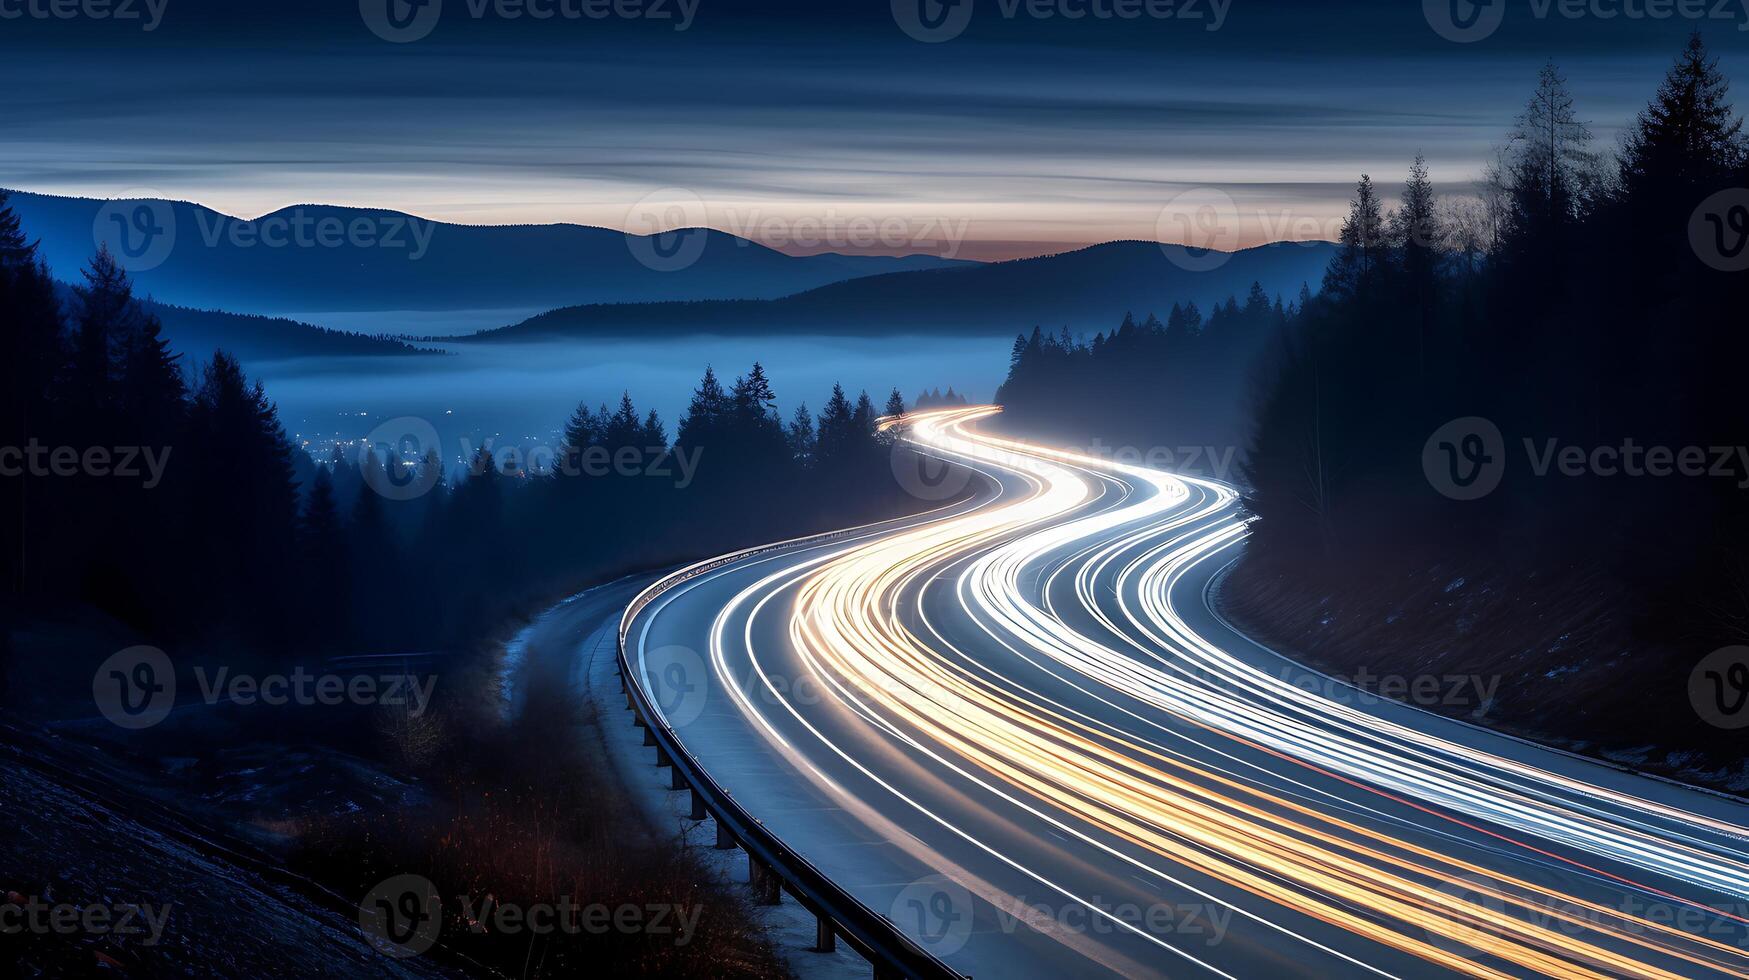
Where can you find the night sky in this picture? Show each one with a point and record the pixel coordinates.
(1020, 135)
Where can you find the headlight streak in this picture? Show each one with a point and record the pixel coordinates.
(1000, 573)
(1004, 568)
(1421, 773)
(1115, 791)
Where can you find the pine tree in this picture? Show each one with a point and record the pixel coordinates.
(1256, 302)
(837, 429)
(1415, 230)
(150, 391)
(322, 545)
(1689, 136)
(655, 433)
(1360, 254)
(16, 250)
(895, 404)
(706, 414)
(801, 436)
(372, 559)
(33, 355)
(864, 416)
(33, 344)
(581, 432)
(624, 428)
(106, 314)
(245, 494)
(1553, 170)
(753, 394)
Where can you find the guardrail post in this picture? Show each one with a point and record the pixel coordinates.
(825, 933)
(891, 953)
(764, 881)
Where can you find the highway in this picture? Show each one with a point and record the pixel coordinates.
(1017, 726)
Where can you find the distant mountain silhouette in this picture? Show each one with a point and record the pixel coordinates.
(222, 262)
(195, 334)
(253, 339)
(1086, 290)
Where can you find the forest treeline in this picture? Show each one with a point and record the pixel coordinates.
(1147, 384)
(1579, 300)
(244, 539)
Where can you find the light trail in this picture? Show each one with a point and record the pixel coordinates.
(1182, 760)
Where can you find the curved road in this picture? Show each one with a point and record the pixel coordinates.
(1017, 727)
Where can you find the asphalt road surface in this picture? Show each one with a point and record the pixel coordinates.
(1016, 726)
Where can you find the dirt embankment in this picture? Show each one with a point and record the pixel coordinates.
(1554, 647)
(242, 839)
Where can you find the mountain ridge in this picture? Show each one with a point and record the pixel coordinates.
(1084, 289)
(401, 261)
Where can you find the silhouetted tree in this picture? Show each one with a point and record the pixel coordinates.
(1416, 234)
(324, 565)
(244, 498)
(33, 356)
(105, 314)
(801, 436)
(1689, 136)
(1363, 247)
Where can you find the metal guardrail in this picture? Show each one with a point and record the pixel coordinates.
(772, 864)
